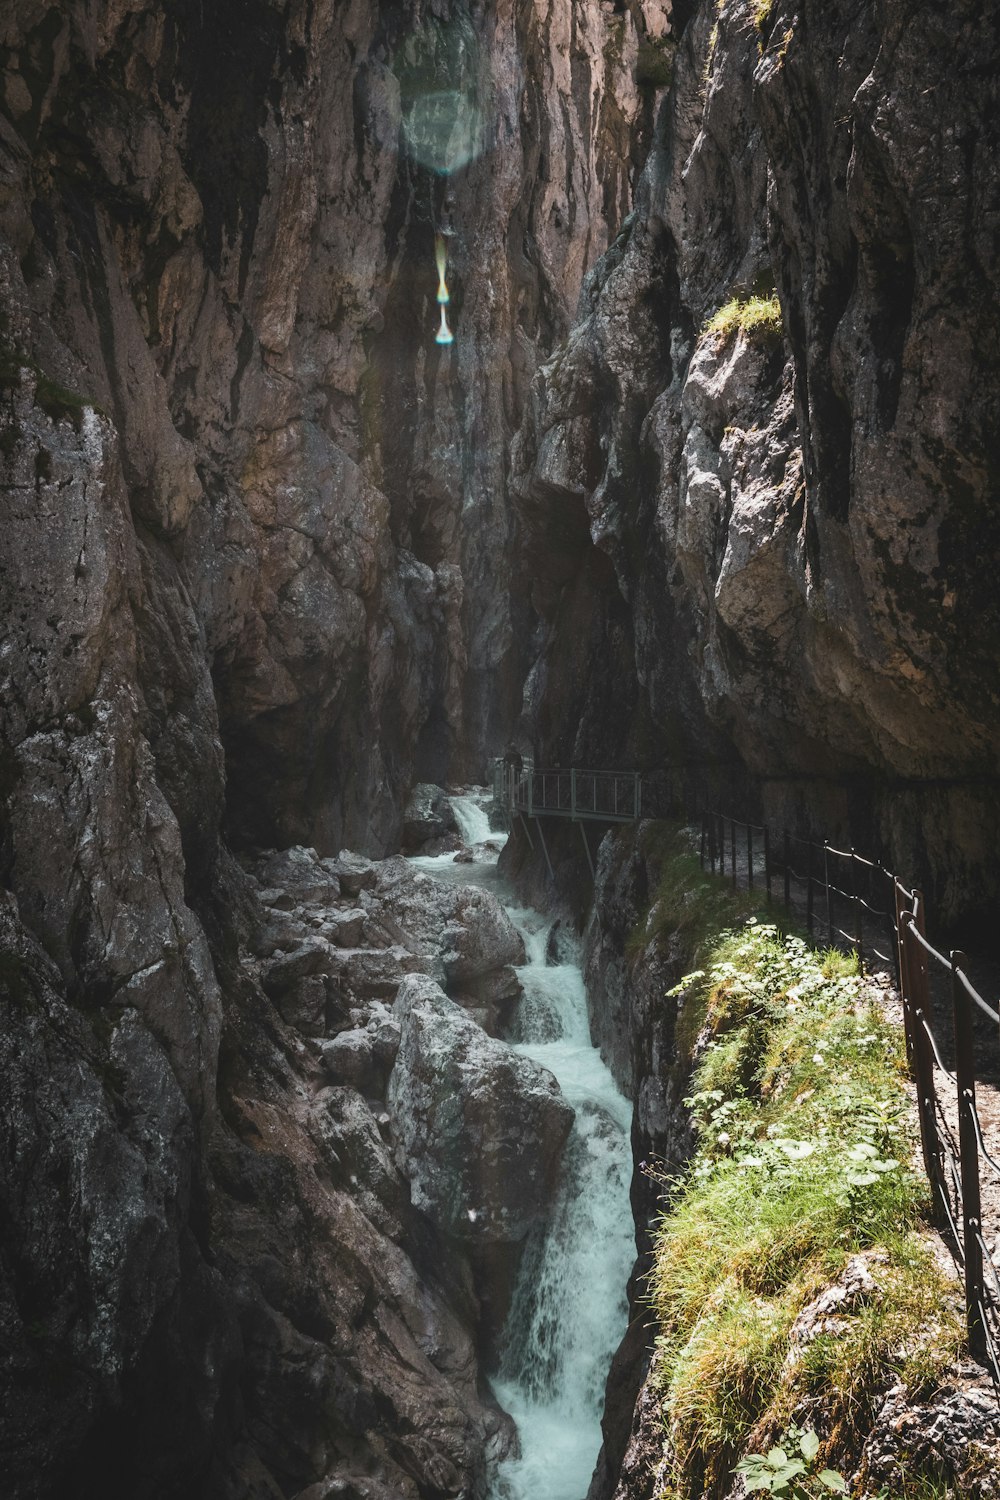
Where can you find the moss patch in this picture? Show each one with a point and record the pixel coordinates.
(654, 67)
(57, 401)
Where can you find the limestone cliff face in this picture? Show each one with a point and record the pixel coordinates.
(219, 228)
(775, 548)
(254, 582)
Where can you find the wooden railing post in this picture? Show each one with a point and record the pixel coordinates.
(749, 856)
(965, 1079)
(829, 898)
(572, 791)
(732, 848)
(767, 863)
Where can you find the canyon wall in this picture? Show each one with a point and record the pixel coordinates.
(769, 547)
(218, 235)
(255, 580)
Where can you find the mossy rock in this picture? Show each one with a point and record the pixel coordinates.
(654, 68)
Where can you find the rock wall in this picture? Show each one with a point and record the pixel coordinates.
(770, 548)
(255, 581)
(218, 232)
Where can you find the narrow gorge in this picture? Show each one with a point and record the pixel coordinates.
(396, 397)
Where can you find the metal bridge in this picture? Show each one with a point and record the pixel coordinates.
(583, 796)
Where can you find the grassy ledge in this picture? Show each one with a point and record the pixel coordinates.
(757, 317)
(802, 1181)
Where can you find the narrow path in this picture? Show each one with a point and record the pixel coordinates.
(876, 953)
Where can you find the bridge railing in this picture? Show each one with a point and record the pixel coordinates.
(607, 796)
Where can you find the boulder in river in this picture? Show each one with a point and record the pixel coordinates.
(479, 1128)
(428, 817)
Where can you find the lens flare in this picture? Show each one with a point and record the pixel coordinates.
(444, 333)
(441, 256)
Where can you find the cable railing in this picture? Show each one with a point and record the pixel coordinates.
(853, 901)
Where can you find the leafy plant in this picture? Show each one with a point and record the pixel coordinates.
(782, 1470)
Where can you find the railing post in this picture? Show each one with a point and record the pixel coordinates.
(531, 792)
(829, 898)
(749, 856)
(902, 977)
(572, 791)
(787, 859)
(859, 910)
(918, 982)
(892, 904)
(732, 848)
(701, 847)
(809, 887)
(767, 863)
(965, 1078)
(638, 796)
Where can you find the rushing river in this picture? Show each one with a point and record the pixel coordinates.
(569, 1306)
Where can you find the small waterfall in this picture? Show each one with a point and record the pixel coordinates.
(473, 824)
(569, 1309)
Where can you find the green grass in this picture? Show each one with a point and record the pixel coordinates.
(686, 901)
(803, 1161)
(757, 317)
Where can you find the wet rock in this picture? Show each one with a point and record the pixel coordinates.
(282, 931)
(309, 957)
(250, 576)
(427, 817)
(346, 928)
(354, 873)
(490, 999)
(363, 1058)
(370, 974)
(561, 946)
(300, 876)
(360, 1157)
(479, 1129)
(954, 1432)
(304, 1004)
(479, 937)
